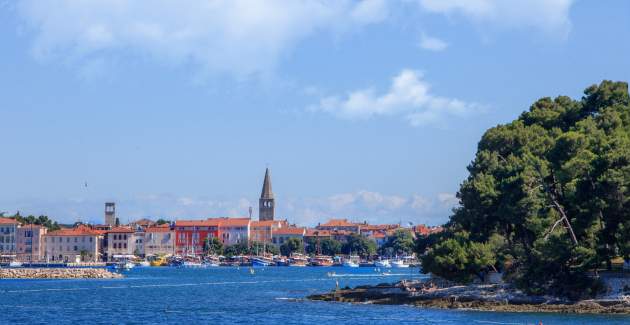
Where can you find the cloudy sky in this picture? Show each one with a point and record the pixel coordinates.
(369, 110)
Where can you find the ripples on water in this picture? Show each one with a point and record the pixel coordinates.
(231, 295)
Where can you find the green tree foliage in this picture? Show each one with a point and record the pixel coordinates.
(162, 221)
(41, 221)
(400, 243)
(359, 245)
(212, 246)
(327, 246)
(554, 184)
(292, 245)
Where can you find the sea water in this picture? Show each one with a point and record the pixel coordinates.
(269, 295)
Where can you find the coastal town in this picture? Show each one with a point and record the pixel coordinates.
(210, 241)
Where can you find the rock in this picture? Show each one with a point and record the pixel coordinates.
(57, 273)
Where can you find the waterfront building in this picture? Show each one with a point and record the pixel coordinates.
(262, 231)
(8, 232)
(191, 234)
(379, 238)
(30, 243)
(369, 230)
(159, 240)
(120, 241)
(340, 224)
(266, 203)
(233, 230)
(282, 235)
(72, 244)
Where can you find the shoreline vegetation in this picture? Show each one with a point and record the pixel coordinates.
(441, 294)
(58, 273)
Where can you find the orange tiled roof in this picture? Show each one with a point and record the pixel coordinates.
(231, 222)
(120, 230)
(196, 223)
(268, 223)
(289, 231)
(8, 221)
(78, 231)
(317, 232)
(161, 228)
(338, 223)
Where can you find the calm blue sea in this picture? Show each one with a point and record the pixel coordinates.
(230, 295)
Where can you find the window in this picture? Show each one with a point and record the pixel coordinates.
(125, 245)
(67, 239)
(90, 239)
(76, 239)
(76, 248)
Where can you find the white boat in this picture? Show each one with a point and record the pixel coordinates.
(15, 264)
(399, 264)
(350, 263)
(190, 264)
(382, 263)
(143, 264)
(124, 266)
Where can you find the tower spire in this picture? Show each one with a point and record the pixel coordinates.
(266, 204)
(267, 193)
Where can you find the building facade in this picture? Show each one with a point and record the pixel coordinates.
(266, 203)
(30, 243)
(191, 235)
(262, 231)
(8, 234)
(233, 230)
(72, 245)
(120, 241)
(159, 240)
(281, 236)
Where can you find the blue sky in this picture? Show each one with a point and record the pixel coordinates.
(369, 110)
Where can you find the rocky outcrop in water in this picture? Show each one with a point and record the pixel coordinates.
(57, 273)
(476, 297)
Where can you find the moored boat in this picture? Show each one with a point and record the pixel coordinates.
(399, 264)
(382, 263)
(321, 261)
(261, 261)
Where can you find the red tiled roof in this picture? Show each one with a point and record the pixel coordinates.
(289, 231)
(377, 235)
(8, 221)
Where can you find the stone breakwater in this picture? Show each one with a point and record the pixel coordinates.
(57, 273)
(500, 298)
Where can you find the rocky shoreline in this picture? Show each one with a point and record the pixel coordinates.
(503, 298)
(57, 273)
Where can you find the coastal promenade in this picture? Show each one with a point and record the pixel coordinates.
(57, 273)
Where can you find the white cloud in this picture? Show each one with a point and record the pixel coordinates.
(432, 43)
(550, 16)
(409, 95)
(448, 199)
(235, 36)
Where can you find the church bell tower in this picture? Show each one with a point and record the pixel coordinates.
(266, 204)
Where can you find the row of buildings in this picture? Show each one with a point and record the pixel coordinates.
(144, 237)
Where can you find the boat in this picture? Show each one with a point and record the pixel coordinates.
(382, 263)
(15, 264)
(192, 264)
(261, 261)
(298, 260)
(350, 263)
(281, 261)
(143, 264)
(399, 264)
(321, 261)
(124, 266)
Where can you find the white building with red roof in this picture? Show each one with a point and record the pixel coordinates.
(81, 243)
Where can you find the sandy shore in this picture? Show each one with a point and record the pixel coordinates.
(57, 273)
(473, 297)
